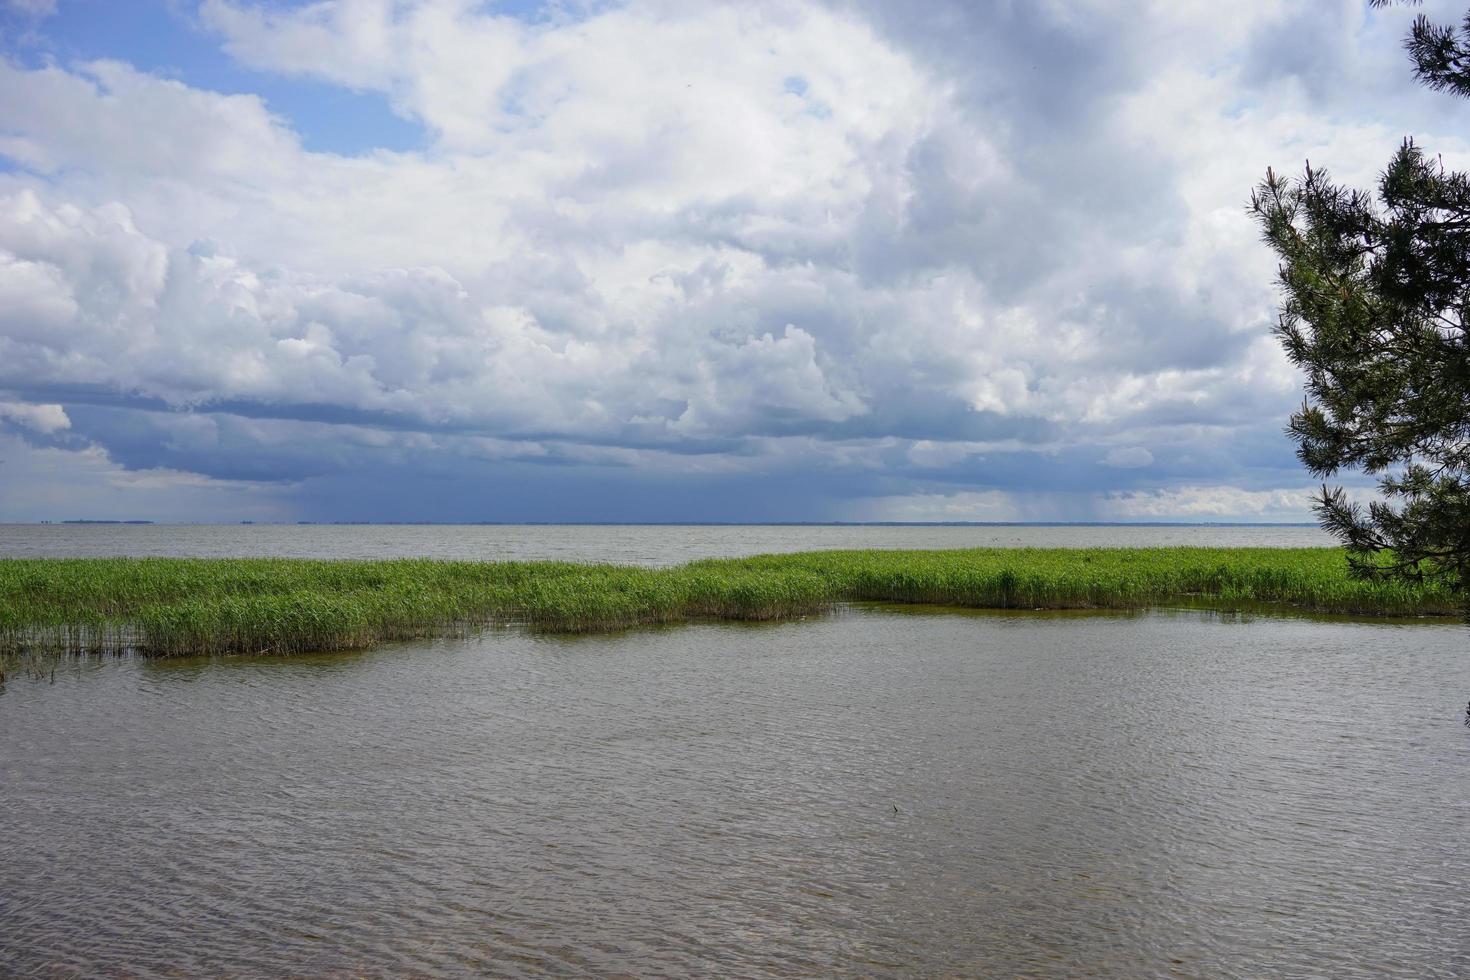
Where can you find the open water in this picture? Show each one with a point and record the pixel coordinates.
(880, 792)
(639, 544)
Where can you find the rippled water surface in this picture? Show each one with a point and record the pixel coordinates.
(628, 544)
(873, 793)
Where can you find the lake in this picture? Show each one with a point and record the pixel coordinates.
(635, 544)
(880, 792)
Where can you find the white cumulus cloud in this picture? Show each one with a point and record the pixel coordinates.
(711, 232)
(1212, 502)
(44, 419)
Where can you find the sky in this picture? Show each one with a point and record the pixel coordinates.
(667, 260)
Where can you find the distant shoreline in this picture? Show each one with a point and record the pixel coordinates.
(97, 522)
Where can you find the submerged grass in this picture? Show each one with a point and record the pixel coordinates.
(170, 607)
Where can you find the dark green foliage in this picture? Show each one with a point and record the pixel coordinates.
(1377, 296)
(1440, 52)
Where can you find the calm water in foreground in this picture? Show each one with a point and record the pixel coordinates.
(878, 792)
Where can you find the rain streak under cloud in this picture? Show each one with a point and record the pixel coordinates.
(445, 260)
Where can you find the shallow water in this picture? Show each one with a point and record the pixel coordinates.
(625, 544)
(873, 793)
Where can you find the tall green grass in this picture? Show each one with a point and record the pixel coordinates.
(169, 607)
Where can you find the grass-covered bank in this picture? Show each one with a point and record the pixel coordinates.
(165, 607)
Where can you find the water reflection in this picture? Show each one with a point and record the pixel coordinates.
(867, 794)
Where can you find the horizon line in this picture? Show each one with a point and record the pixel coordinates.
(327, 523)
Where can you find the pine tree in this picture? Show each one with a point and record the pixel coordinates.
(1375, 312)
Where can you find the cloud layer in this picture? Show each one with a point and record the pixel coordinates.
(653, 260)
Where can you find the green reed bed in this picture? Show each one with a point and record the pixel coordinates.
(168, 607)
